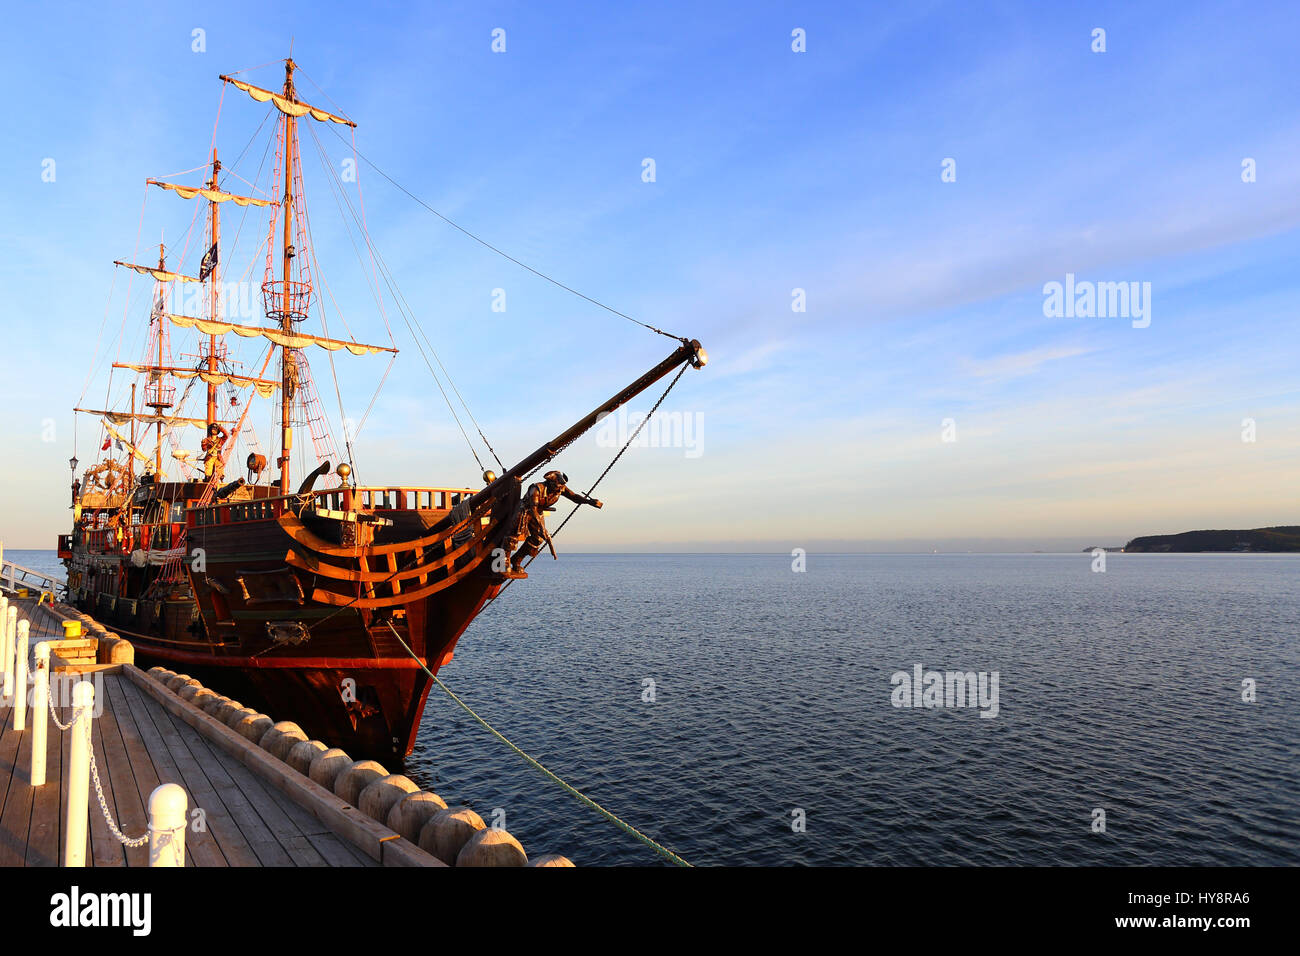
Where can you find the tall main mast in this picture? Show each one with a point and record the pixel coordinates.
(287, 361)
(158, 472)
(288, 299)
(214, 286)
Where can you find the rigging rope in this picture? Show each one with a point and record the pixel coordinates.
(416, 556)
(405, 307)
(611, 817)
(336, 191)
(380, 268)
(338, 394)
(626, 446)
(399, 298)
(505, 255)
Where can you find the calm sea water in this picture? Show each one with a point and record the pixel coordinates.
(1119, 691)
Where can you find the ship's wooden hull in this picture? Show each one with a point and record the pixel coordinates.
(278, 613)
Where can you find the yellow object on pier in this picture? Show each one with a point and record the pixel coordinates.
(71, 629)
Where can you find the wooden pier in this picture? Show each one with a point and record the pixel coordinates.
(246, 808)
(138, 745)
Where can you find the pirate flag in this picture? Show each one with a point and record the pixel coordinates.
(209, 263)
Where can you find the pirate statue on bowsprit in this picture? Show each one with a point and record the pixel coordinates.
(530, 521)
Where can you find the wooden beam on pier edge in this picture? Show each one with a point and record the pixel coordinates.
(257, 811)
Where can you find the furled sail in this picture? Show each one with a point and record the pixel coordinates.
(126, 442)
(285, 105)
(265, 387)
(214, 195)
(162, 275)
(121, 418)
(288, 340)
(156, 558)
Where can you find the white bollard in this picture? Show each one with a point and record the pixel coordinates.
(40, 708)
(167, 806)
(20, 677)
(74, 843)
(4, 626)
(7, 652)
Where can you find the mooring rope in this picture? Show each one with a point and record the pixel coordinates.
(611, 817)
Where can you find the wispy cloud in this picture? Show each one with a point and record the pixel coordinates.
(1004, 367)
(776, 171)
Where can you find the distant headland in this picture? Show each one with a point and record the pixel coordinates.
(1281, 538)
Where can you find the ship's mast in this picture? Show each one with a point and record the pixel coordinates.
(130, 457)
(287, 360)
(214, 212)
(158, 473)
(288, 298)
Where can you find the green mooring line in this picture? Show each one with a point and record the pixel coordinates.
(611, 817)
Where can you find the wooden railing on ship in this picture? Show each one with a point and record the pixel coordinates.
(396, 498)
(377, 499)
(397, 572)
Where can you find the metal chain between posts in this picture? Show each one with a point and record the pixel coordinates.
(122, 838)
(94, 775)
(54, 713)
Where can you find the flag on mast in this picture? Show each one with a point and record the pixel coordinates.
(208, 264)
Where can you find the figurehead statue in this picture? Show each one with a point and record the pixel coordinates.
(530, 522)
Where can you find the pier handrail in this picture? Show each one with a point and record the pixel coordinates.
(13, 576)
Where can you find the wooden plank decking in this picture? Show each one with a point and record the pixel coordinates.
(139, 745)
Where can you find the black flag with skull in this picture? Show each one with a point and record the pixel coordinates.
(209, 263)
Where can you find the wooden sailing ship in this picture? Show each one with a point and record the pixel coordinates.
(320, 599)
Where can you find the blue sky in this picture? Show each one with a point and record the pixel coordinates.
(775, 170)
